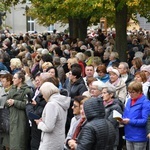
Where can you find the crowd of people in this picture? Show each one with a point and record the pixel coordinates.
(62, 92)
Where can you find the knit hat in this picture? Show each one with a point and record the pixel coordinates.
(145, 68)
(111, 69)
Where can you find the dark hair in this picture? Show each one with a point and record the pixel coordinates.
(58, 51)
(79, 98)
(47, 58)
(8, 77)
(88, 53)
(76, 71)
(75, 65)
(56, 72)
(53, 80)
(21, 75)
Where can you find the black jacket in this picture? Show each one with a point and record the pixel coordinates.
(109, 115)
(37, 110)
(98, 133)
(75, 89)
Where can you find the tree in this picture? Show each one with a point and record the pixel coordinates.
(80, 13)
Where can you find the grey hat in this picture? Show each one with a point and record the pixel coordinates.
(4, 72)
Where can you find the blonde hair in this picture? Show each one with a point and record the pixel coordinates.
(46, 65)
(16, 63)
(47, 89)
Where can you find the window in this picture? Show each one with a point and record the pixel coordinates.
(51, 28)
(30, 24)
(28, 2)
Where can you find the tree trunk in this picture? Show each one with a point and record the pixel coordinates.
(73, 28)
(121, 32)
(82, 28)
(78, 28)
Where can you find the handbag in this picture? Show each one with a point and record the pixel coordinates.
(4, 120)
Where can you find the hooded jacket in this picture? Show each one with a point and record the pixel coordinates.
(53, 122)
(98, 133)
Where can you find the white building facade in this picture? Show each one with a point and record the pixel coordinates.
(18, 22)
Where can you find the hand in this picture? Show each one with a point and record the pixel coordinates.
(148, 135)
(125, 121)
(38, 121)
(33, 102)
(72, 144)
(10, 102)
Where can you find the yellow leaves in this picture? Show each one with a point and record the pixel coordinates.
(133, 3)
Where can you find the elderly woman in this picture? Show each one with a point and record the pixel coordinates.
(53, 118)
(135, 118)
(15, 65)
(119, 84)
(111, 104)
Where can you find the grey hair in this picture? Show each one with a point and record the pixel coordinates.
(126, 66)
(110, 89)
(99, 84)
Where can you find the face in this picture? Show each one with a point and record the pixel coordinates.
(52, 72)
(138, 78)
(122, 69)
(94, 91)
(134, 65)
(38, 82)
(76, 108)
(113, 77)
(71, 77)
(105, 56)
(16, 80)
(111, 57)
(105, 95)
(69, 65)
(133, 94)
(89, 71)
(146, 73)
(5, 83)
(101, 74)
(12, 67)
(82, 112)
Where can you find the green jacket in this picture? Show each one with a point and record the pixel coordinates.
(19, 125)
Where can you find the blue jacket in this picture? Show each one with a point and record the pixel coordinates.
(135, 130)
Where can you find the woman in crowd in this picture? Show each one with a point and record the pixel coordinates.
(6, 81)
(119, 84)
(16, 102)
(141, 77)
(111, 104)
(102, 73)
(136, 65)
(54, 73)
(97, 133)
(53, 118)
(135, 118)
(15, 65)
